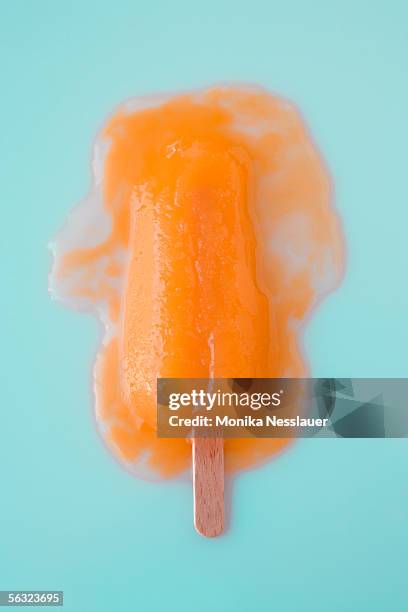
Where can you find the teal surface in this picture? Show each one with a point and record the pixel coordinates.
(323, 528)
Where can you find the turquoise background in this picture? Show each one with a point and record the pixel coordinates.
(324, 527)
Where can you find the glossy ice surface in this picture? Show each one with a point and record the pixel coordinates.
(206, 240)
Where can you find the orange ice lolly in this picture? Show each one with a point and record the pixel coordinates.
(219, 241)
(193, 308)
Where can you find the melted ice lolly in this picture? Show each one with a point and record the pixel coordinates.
(206, 240)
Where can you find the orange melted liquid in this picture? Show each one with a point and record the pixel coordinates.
(221, 240)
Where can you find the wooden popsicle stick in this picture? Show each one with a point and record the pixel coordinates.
(208, 486)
